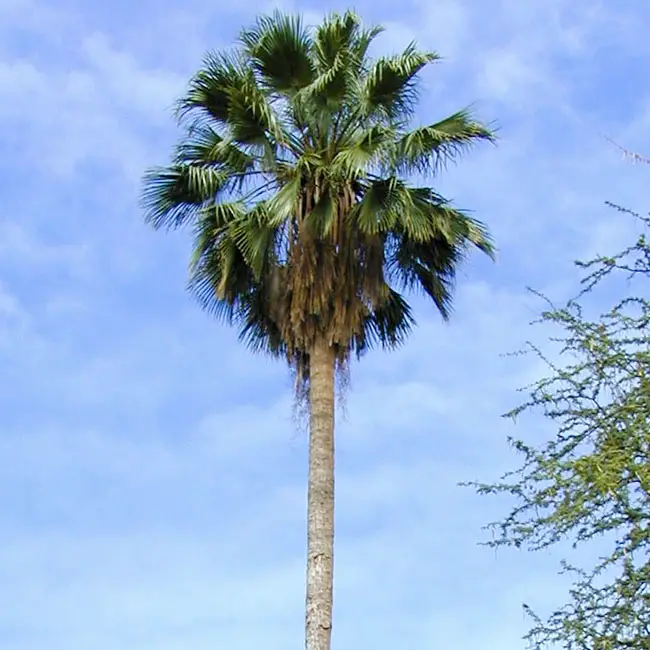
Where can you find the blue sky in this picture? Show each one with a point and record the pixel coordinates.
(152, 483)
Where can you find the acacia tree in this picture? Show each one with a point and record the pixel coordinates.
(590, 483)
(293, 173)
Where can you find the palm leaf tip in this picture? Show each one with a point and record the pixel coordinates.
(393, 321)
(280, 48)
(426, 149)
(172, 196)
(391, 84)
(476, 129)
(160, 198)
(480, 237)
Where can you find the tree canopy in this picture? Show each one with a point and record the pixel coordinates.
(590, 483)
(294, 173)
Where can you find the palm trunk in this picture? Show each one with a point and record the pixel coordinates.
(320, 499)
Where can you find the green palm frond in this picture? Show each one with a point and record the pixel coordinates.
(235, 275)
(379, 209)
(226, 92)
(388, 325)
(232, 252)
(329, 88)
(257, 331)
(219, 278)
(321, 218)
(364, 38)
(419, 212)
(214, 241)
(467, 230)
(175, 195)
(390, 88)
(477, 234)
(206, 147)
(336, 34)
(251, 118)
(339, 46)
(427, 267)
(284, 203)
(426, 148)
(257, 240)
(280, 51)
(426, 219)
(210, 89)
(362, 150)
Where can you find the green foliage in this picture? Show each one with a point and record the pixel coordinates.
(293, 174)
(591, 481)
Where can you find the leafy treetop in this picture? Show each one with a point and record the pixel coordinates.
(293, 175)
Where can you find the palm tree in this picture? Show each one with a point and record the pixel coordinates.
(293, 172)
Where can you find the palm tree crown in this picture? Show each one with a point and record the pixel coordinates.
(294, 174)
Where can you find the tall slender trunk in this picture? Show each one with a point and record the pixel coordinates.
(320, 499)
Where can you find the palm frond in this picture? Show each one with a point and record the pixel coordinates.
(246, 302)
(429, 267)
(362, 150)
(329, 88)
(424, 219)
(258, 331)
(251, 119)
(479, 235)
(257, 239)
(465, 229)
(234, 273)
(174, 195)
(284, 203)
(225, 92)
(388, 325)
(280, 51)
(338, 44)
(419, 212)
(219, 277)
(210, 89)
(390, 88)
(206, 147)
(430, 264)
(379, 209)
(363, 40)
(336, 34)
(320, 221)
(213, 230)
(426, 148)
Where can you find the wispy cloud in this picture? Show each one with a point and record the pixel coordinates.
(153, 478)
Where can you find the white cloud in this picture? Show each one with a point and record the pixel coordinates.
(88, 113)
(15, 322)
(149, 91)
(444, 26)
(21, 248)
(155, 478)
(154, 576)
